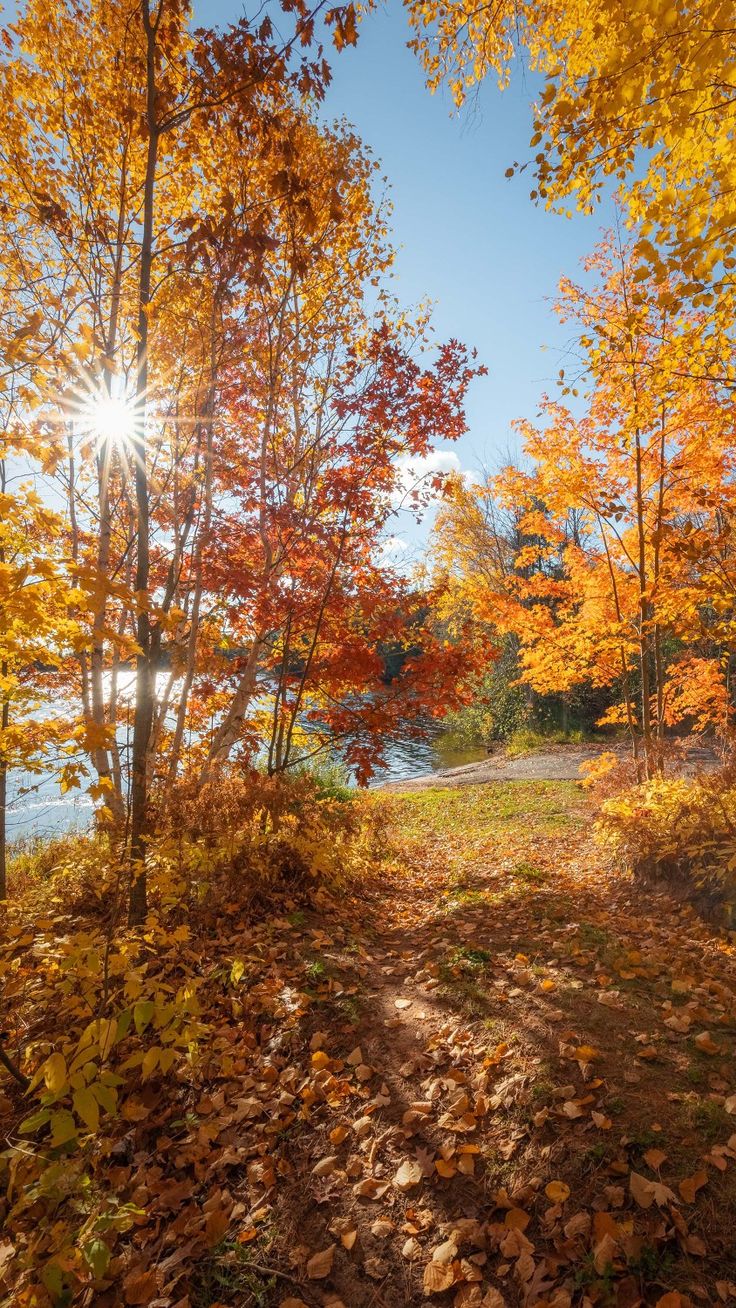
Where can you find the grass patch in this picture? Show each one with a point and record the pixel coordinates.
(531, 875)
(227, 1274)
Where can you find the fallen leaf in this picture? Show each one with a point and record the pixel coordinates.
(325, 1166)
(557, 1191)
(408, 1175)
(370, 1188)
(320, 1264)
(691, 1184)
(641, 1189)
(437, 1277)
(655, 1158)
(706, 1044)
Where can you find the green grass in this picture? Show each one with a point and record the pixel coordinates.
(529, 873)
(226, 1273)
(525, 740)
(480, 811)
(710, 1120)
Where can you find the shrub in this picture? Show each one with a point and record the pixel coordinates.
(682, 831)
(246, 832)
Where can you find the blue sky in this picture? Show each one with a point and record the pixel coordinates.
(469, 238)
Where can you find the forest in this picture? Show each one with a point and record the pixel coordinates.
(282, 1027)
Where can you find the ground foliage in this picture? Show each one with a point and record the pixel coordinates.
(682, 831)
(480, 1068)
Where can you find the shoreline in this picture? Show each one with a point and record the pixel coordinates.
(553, 763)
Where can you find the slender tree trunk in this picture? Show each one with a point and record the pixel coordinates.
(4, 722)
(644, 618)
(625, 674)
(145, 673)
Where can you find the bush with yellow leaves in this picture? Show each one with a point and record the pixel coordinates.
(682, 830)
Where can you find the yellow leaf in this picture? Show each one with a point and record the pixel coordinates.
(86, 1106)
(63, 1127)
(55, 1073)
(586, 1053)
(557, 1191)
(150, 1062)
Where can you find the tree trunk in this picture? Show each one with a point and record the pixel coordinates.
(4, 720)
(145, 673)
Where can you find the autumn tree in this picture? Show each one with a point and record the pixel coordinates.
(646, 464)
(635, 95)
(108, 174)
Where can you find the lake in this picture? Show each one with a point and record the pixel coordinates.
(45, 812)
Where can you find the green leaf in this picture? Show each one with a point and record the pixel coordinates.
(36, 1120)
(63, 1127)
(142, 1013)
(97, 1256)
(124, 1021)
(53, 1279)
(106, 1096)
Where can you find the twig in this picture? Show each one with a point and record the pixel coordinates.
(14, 1071)
(284, 1276)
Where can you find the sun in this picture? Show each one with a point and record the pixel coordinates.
(111, 419)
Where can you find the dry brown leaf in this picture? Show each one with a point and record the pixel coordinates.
(706, 1044)
(445, 1252)
(370, 1188)
(655, 1158)
(437, 1277)
(382, 1228)
(641, 1189)
(445, 1168)
(578, 1225)
(601, 1121)
(691, 1184)
(408, 1175)
(320, 1264)
(140, 1287)
(586, 1053)
(493, 1299)
(572, 1110)
(325, 1166)
(517, 1219)
(603, 1253)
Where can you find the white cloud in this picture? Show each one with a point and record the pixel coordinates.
(393, 547)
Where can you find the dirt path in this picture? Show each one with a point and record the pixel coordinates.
(556, 763)
(493, 1073)
(524, 1080)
